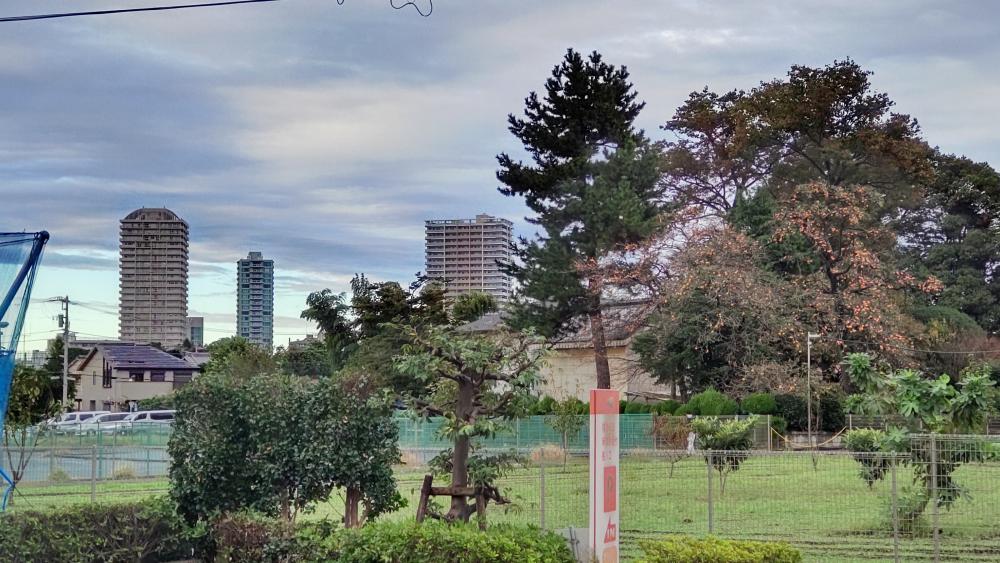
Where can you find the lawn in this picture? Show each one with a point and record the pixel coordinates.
(823, 506)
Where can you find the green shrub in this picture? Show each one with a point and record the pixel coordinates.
(687, 549)
(546, 405)
(633, 408)
(147, 531)
(124, 472)
(59, 475)
(669, 406)
(408, 542)
(793, 409)
(779, 424)
(159, 402)
(759, 403)
(831, 412)
(712, 403)
(685, 409)
(250, 537)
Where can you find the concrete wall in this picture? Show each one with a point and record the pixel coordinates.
(570, 372)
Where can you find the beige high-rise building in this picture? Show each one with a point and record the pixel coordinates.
(153, 278)
(464, 253)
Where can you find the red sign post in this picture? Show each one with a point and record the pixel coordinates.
(604, 522)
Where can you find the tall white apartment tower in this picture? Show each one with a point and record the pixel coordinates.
(255, 299)
(153, 278)
(464, 254)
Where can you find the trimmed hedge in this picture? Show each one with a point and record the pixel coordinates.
(709, 403)
(148, 531)
(686, 549)
(408, 542)
(759, 403)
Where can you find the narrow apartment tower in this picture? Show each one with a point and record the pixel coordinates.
(255, 299)
(153, 278)
(464, 254)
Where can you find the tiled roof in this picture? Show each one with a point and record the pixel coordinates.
(621, 320)
(125, 356)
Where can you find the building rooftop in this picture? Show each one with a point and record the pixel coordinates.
(124, 356)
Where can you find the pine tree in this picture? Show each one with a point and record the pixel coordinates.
(593, 186)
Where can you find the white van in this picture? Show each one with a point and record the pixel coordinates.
(71, 421)
(147, 419)
(108, 423)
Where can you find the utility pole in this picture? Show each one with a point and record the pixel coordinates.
(809, 400)
(64, 324)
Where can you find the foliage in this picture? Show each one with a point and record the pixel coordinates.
(407, 542)
(31, 401)
(711, 403)
(792, 408)
(728, 443)
(475, 381)
(830, 411)
(237, 355)
(870, 447)
(54, 366)
(953, 235)
(247, 536)
(853, 288)
(329, 311)
(149, 530)
(313, 359)
(759, 403)
(929, 404)
(567, 421)
(593, 186)
(276, 443)
(666, 407)
(159, 402)
(721, 313)
(471, 306)
(688, 549)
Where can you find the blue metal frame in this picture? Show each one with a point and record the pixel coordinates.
(25, 275)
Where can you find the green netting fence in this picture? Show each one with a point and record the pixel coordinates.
(525, 434)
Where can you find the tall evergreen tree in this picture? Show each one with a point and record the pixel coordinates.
(593, 186)
(955, 236)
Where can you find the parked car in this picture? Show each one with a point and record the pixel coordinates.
(109, 423)
(70, 422)
(149, 419)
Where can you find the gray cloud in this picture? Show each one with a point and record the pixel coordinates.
(324, 135)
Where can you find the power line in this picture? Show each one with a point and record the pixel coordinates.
(392, 3)
(129, 10)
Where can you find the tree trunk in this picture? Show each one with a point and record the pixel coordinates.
(353, 501)
(460, 455)
(600, 348)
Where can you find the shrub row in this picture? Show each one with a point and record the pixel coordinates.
(144, 531)
(150, 531)
(687, 549)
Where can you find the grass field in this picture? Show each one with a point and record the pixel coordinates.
(817, 503)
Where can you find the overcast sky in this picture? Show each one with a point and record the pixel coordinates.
(323, 135)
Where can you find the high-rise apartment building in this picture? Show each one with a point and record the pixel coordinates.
(464, 253)
(255, 299)
(196, 331)
(153, 278)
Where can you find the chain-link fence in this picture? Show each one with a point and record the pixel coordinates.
(939, 500)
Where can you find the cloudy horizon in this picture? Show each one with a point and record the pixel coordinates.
(323, 135)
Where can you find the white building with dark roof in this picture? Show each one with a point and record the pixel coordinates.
(111, 376)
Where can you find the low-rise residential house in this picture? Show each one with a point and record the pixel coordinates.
(570, 370)
(116, 376)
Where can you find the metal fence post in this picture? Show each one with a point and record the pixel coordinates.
(93, 473)
(541, 495)
(711, 508)
(934, 498)
(895, 514)
(148, 471)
